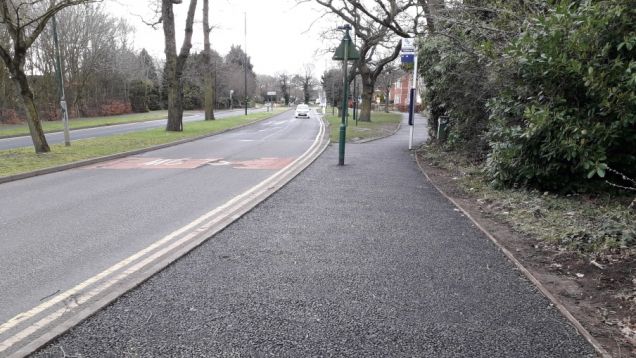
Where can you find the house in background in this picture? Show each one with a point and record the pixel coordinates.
(399, 94)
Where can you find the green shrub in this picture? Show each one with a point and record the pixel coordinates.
(573, 113)
(456, 87)
(138, 95)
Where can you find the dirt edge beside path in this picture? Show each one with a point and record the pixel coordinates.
(564, 292)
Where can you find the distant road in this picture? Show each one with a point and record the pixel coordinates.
(86, 133)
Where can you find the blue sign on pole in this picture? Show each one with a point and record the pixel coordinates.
(407, 58)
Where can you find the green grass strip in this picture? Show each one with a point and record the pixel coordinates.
(24, 160)
(382, 124)
(77, 123)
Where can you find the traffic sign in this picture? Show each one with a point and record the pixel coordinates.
(408, 45)
(271, 93)
(407, 58)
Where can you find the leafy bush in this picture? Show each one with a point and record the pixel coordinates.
(457, 87)
(572, 114)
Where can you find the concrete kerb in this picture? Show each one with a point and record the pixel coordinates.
(555, 301)
(86, 162)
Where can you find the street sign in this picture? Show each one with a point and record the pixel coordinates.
(408, 45)
(352, 52)
(271, 93)
(407, 58)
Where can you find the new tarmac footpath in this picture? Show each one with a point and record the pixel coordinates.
(365, 260)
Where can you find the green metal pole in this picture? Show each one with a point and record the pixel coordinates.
(343, 126)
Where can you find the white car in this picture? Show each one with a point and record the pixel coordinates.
(302, 111)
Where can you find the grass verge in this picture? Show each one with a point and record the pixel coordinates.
(585, 223)
(382, 124)
(56, 126)
(24, 160)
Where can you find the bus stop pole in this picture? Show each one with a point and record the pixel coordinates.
(413, 102)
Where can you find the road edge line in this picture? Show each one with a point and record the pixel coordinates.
(546, 293)
(171, 257)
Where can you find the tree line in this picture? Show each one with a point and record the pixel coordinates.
(105, 75)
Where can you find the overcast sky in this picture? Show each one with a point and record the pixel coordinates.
(281, 35)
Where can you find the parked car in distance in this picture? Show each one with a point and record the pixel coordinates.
(302, 111)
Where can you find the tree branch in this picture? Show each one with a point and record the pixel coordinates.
(187, 41)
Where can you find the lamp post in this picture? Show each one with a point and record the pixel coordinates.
(60, 83)
(344, 52)
(245, 60)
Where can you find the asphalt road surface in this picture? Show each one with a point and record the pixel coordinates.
(365, 260)
(87, 133)
(60, 229)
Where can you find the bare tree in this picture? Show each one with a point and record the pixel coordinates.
(331, 81)
(208, 91)
(378, 45)
(305, 81)
(96, 55)
(388, 77)
(24, 21)
(175, 64)
(284, 83)
(394, 14)
(266, 83)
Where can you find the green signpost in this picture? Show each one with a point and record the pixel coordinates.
(345, 52)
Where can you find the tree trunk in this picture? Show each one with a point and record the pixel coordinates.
(33, 118)
(174, 65)
(175, 110)
(175, 106)
(208, 98)
(365, 109)
(367, 95)
(387, 93)
(431, 9)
